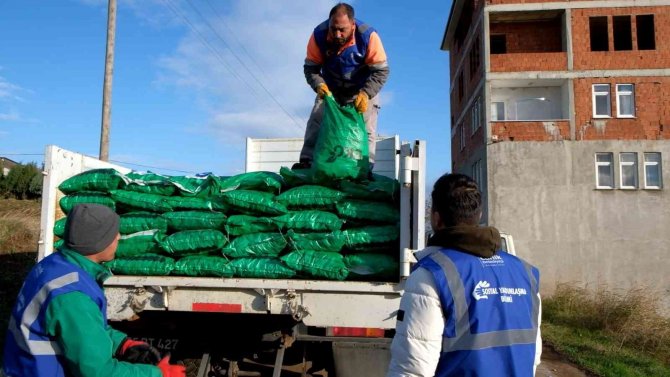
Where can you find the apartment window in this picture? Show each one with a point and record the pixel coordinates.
(628, 170)
(625, 100)
(646, 36)
(462, 129)
(461, 89)
(604, 171)
(474, 58)
(476, 114)
(476, 173)
(599, 34)
(499, 44)
(623, 36)
(497, 111)
(652, 171)
(601, 101)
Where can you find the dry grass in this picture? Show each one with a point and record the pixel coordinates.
(631, 318)
(19, 225)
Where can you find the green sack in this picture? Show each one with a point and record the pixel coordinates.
(309, 221)
(341, 150)
(134, 222)
(189, 242)
(59, 227)
(328, 242)
(238, 225)
(373, 265)
(150, 183)
(139, 243)
(256, 245)
(92, 197)
(257, 181)
(381, 188)
(261, 268)
(296, 177)
(58, 244)
(390, 248)
(370, 235)
(145, 265)
(183, 203)
(194, 220)
(368, 211)
(317, 264)
(311, 197)
(93, 180)
(200, 186)
(203, 265)
(253, 202)
(140, 201)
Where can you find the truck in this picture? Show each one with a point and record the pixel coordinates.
(262, 327)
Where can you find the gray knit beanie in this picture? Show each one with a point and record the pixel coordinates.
(90, 228)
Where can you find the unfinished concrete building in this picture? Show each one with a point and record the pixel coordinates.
(561, 111)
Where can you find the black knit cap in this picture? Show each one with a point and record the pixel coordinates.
(90, 228)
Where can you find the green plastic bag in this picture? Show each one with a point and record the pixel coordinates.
(317, 264)
(257, 181)
(372, 265)
(238, 225)
(378, 212)
(203, 265)
(256, 245)
(134, 222)
(59, 227)
(341, 150)
(183, 203)
(150, 183)
(68, 202)
(145, 265)
(261, 268)
(311, 197)
(390, 248)
(139, 243)
(94, 180)
(141, 201)
(200, 186)
(296, 177)
(309, 221)
(381, 188)
(254, 202)
(58, 244)
(327, 242)
(189, 242)
(194, 220)
(370, 235)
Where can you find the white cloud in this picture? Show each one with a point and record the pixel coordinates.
(9, 91)
(10, 117)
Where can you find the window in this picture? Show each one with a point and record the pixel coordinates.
(499, 44)
(460, 87)
(476, 114)
(462, 129)
(652, 171)
(497, 111)
(474, 58)
(646, 37)
(601, 101)
(628, 170)
(623, 37)
(604, 171)
(476, 173)
(599, 33)
(625, 100)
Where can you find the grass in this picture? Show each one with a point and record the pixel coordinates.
(607, 332)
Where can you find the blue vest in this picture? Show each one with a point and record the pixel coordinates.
(491, 307)
(344, 73)
(29, 351)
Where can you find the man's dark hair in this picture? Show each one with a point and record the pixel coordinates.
(457, 199)
(342, 8)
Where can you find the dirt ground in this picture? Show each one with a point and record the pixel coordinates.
(555, 365)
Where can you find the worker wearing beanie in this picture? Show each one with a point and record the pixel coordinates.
(58, 326)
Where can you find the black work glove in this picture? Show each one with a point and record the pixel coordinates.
(136, 352)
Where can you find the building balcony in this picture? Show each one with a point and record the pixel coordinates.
(530, 61)
(523, 130)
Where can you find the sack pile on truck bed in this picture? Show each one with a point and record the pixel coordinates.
(252, 225)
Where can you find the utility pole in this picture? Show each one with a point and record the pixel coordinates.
(107, 85)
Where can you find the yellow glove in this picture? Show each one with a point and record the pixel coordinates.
(322, 90)
(361, 102)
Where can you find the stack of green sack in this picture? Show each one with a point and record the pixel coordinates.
(254, 225)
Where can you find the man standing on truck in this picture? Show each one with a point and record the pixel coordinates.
(58, 326)
(468, 308)
(345, 57)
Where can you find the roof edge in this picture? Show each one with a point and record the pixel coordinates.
(456, 6)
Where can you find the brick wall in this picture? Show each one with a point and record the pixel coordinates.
(584, 58)
(494, 2)
(652, 110)
(472, 142)
(532, 36)
(538, 61)
(531, 131)
(470, 79)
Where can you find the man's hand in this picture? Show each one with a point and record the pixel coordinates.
(136, 352)
(361, 102)
(322, 90)
(169, 370)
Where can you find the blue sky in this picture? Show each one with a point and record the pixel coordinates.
(182, 101)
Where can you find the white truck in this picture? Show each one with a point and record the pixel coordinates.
(247, 327)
